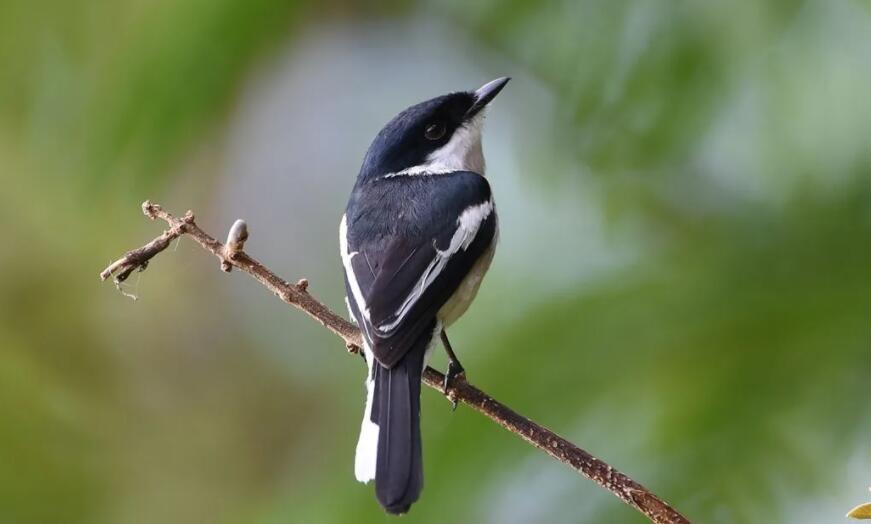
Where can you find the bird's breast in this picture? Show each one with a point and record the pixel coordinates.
(465, 293)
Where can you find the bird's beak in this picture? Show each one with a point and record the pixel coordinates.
(485, 94)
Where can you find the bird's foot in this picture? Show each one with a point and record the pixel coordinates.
(455, 371)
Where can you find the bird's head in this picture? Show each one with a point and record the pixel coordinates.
(440, 135)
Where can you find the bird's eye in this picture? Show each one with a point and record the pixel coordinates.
(435, 131)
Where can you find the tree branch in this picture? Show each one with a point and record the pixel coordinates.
(231, 255)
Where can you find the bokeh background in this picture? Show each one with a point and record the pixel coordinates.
(683, 284)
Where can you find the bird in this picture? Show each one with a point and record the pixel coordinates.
(418, 234)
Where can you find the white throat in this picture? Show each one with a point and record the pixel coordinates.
(463, 152)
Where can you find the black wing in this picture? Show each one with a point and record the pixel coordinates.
(407, 244)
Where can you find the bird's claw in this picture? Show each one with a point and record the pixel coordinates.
(455, 371)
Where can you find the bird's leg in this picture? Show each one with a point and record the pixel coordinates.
(455, 369)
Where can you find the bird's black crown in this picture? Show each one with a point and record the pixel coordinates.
(415, 133)
(417, 137)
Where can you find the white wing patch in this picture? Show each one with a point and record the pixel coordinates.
(468, 225)
(349, 269)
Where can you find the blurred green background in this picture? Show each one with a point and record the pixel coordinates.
(683, 284)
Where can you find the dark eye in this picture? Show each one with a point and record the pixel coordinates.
(435, 131)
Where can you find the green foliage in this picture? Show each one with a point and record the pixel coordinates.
(120, 89)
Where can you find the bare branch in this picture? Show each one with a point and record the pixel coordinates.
(297, 295)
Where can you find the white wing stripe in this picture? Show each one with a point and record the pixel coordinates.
(349, 270)
(468, 225)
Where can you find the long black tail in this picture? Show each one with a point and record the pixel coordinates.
(396, 410)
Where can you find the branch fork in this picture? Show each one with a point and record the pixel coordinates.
(231, 255)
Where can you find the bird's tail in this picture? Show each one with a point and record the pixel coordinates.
(389, 449)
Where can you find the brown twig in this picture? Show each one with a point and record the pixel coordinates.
(297, 295)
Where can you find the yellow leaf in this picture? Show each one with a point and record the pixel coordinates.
(862, 511)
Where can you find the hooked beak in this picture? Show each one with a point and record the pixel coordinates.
(485, 94)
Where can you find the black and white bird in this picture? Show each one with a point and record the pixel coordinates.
(417, 237)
